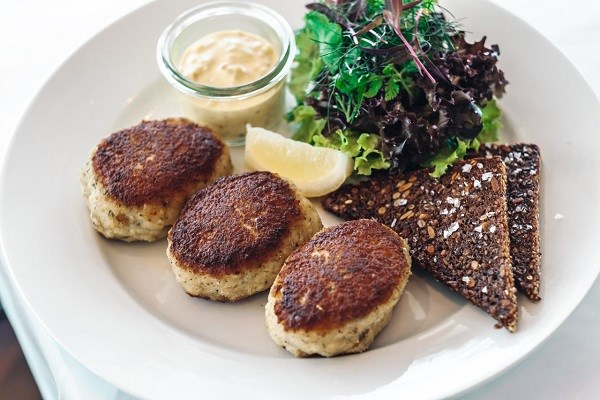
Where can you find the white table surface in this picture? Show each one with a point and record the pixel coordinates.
(36, 36)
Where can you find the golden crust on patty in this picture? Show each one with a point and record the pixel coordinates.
(154, 160)
(335, 293)
(138, 179)
(232, 238)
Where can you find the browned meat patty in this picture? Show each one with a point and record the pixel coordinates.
(138, 178)
(233, 237)
(337, 292)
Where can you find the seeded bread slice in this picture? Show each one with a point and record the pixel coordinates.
(522, 163)
(456, 227)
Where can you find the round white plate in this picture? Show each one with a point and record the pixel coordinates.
(118, 310)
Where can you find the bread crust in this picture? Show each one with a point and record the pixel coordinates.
(523, 163)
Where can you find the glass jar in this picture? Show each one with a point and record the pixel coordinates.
(227, 110)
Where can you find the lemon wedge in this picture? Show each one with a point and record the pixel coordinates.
(316, 171)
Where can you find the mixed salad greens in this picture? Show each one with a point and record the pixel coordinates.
(393, 84)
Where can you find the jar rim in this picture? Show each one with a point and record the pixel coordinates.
(258, 12)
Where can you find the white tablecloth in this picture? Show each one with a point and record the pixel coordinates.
(36, 36)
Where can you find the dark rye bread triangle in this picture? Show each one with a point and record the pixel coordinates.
(522, 163)
(456, 227)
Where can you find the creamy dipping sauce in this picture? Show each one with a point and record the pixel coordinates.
(225, 59)
(228, 59)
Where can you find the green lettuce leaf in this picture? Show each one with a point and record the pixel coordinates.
(305, 123)
(362, 147)
(446, 157)
(491, 122)
(339, 141)
(328, 36)
(370, 158)
(457, 148)
(307, 64)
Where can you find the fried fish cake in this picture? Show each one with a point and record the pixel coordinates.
(232, 238)
(137, 179)
(337, 292)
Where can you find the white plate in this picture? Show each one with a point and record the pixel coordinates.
(117, 309)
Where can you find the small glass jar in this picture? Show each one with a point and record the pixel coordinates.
(227, 110)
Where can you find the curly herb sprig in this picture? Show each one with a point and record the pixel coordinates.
(392, 15)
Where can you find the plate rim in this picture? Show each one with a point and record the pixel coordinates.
(11, 143)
